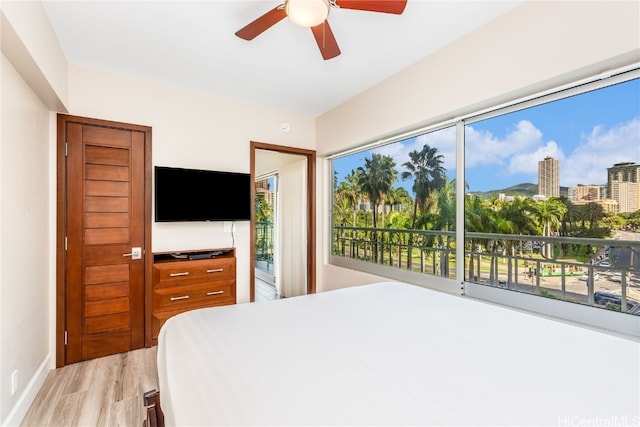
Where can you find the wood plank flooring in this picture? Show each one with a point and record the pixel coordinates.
(100, 392)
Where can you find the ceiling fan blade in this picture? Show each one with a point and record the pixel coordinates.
(385, 6)
(262, 24)
(325, 40)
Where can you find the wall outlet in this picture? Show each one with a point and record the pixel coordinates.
(14, 382)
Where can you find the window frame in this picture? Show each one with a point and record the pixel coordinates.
(623, 323)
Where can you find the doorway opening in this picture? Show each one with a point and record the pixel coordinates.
(283, 221)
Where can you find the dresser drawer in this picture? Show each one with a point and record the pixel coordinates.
(170, 274)
(194, 295)
(180, 284)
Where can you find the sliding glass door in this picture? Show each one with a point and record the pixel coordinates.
(265, 234)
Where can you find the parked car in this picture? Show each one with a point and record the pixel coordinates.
(605, 263)
(617, 277)
(585, 276)
(604, 298)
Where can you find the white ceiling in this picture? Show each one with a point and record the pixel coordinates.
(192, 44)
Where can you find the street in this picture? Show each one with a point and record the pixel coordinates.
(606, 278)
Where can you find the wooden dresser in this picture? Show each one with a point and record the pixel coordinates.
(182, 283)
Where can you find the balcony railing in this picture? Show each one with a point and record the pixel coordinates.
(264, 246)
(599, 272)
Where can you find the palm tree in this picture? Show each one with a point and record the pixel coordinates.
(376, 180)
(398, 196)
(444, 218)
(350, 190)
(475, 220)
(428, 174)
(519, 212)
(425, 167)
(566, 224)
(548, 213)
(445, 205)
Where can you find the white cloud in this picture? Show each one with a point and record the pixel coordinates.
(519, 152)
(483, 148)
(600, 149)
(523, 146)
(527, 162)
(444, 140)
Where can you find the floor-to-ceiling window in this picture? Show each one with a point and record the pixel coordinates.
(394, 205)
(552, 206)
(550, 188)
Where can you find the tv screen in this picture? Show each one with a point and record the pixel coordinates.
(201, 195)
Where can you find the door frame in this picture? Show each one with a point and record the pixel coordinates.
(311, 211)
(61, 214)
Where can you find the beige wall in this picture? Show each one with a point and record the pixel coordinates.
(29, 42)
(34, 81)
(24, 236)
(533, 47)
(194, 130)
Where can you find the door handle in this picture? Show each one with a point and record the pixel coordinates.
(136, 253)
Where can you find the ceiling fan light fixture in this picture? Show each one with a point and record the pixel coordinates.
(307, 13)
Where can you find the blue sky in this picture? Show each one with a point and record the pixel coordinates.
(586, 133)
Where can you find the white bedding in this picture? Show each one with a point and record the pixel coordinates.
(391, 354)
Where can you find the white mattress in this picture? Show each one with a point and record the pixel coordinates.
(391, 354)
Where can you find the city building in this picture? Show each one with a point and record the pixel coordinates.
(587, 192)
(264, 188)
(623, 185)
(549, 177)
(626, 194)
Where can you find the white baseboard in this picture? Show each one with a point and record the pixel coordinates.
(17, 413)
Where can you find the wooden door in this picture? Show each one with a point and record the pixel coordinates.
(105, 216)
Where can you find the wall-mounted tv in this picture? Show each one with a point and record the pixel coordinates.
(201, 195)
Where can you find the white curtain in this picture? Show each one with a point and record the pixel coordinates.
(292, 229)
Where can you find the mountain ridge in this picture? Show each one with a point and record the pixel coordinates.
(525, 189)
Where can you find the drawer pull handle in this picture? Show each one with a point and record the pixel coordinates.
(216, 270)
(186, 273)
(215, 293)
(179, 298)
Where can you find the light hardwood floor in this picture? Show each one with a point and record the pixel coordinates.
(101, 392)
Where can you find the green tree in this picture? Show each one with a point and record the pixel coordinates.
(593, 213)
(426, 170)
(425, 167)
(519, 212)
(349, 190)
(264, 210)
(398, 198)
(445, 205)
(376, 180)
(476, 213)
(548, 214)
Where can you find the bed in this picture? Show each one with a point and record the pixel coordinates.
(391, 354)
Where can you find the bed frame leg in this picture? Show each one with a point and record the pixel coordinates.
(155, 417)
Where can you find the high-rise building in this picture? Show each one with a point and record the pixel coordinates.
(549, 177)
(588, 192)
(623, 185)
(263, 187)
(626, 194)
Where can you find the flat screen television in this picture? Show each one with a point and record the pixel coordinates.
(201, 195)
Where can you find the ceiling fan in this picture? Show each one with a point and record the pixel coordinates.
(313, 14)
